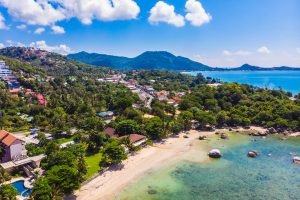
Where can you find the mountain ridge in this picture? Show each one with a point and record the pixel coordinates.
(160, 60)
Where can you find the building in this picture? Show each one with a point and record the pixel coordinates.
(106, 115)
(162, 95)
(137, 140)
(41, 99)
(132, 82)
(4, 69)
(149, 89)
(13, 148)
(111, 132)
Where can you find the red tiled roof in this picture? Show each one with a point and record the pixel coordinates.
(41, 99)
(7, 138)
(111, 132)
(15, 90)
(136, 137)
(3, 133)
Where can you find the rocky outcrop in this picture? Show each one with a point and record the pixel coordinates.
(265, 133)
(215, 153)
(252, 154)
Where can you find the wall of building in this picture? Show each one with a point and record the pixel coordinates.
(6, 156)
(16, 149)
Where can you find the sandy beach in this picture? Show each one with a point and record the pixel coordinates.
(110, 183)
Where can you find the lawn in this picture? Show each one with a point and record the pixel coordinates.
(64, 140)
(93, 165)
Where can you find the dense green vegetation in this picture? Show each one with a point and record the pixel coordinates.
(75, 96)
(52, 63)
(8, 192)
(149, 60)
(235, 105)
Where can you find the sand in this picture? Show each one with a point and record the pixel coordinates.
(110, 183)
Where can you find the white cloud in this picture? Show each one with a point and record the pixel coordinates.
(49, 12)
(2, 22)
(104, 10)
(22, 27)
(264, 50)
(196, 14)
(39, 31)
(19, 44)
(57, 30)
(10, 43)
(163, 12)
(61, 49)
(237, 53)
(2, 45)
(298, 50)
(33, 12)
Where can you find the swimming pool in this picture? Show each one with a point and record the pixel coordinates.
(24, 191)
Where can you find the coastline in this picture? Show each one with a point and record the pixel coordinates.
(110, 183)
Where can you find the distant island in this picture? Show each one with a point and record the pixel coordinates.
(162, 60)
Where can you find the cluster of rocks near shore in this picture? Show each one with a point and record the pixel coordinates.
(271, 131)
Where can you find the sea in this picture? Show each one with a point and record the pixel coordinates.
(285, 80)
(270, 176)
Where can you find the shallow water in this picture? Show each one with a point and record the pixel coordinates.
(287, 80)
(235, 176)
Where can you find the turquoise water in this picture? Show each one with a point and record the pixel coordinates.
(287, 80)
(234, 177)
(22, 190)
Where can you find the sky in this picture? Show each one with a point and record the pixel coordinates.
(223, 33)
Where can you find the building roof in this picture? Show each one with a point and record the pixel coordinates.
(107, 113)
(3, 134)
(111, 132)
(7, 138)
(16, 90)
(136, 137)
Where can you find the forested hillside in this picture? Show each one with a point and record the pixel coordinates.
(52, 63)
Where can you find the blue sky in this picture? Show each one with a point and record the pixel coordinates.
(215, 32)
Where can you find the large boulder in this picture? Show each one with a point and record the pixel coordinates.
(202, 137)
(215, 153)
(224, 136)
(258, 133)
(252, 154)
(296, 160)
(272, 130)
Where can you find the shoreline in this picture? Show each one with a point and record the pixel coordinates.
(113, 181)
(109, 184)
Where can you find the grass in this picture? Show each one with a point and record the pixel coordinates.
(93, 165)
(64, 140)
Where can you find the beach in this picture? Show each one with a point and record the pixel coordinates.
(110, 183)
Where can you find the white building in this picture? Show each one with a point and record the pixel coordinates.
(4, 70)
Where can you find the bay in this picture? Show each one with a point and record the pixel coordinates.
(271, 175)
(286, 80)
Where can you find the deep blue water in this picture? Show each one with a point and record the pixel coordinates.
(19, 185)
(287, 80)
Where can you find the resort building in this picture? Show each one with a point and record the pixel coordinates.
(137, 140)
(14, 155)
(13, 148)
(4, 69)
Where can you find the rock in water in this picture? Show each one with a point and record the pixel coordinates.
(224, 136)
(215, 153)
(202, 137)
(252, 154)
(296, 160)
